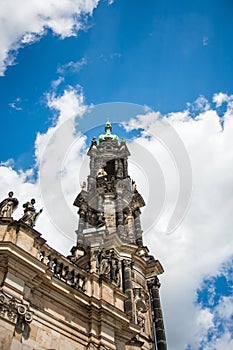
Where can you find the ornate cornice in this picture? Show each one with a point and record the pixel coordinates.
(12, 309)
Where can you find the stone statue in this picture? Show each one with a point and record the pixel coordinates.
(134, 186)
(101, 172)
(115, 275)
(105, 265)
(8, 205)
(141, 319)
(84, 186)
(30, 215)
(101, 220)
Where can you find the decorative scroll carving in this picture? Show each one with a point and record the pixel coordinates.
(16, 312)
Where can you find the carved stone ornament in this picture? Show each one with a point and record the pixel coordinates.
(90, 215)
(128, 263)
(13, 310)
(137, 201)
(108, 265)
(140, 319)
(153, 282)
(141, 299)
(92, 346)
(140, 295)
(105, 184)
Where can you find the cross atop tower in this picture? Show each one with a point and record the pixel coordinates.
(108, 133)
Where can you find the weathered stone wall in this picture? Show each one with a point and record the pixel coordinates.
(69, 308)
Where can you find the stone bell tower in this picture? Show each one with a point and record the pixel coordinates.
(110, 244)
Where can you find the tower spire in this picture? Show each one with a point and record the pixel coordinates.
(108, 127)
(110, 206)
(109, 237)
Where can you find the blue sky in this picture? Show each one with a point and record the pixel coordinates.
(162, 54)
(128, 58)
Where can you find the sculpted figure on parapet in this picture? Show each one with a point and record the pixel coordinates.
(30, 215)
(141, 319)
(107, 264)
(8, 205)
(115, 272)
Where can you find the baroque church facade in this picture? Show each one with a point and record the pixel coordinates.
(105, 294)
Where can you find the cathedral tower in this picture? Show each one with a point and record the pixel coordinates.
(109, 237)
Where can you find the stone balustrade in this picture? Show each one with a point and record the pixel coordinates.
(62, 268)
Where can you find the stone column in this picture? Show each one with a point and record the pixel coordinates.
(119, 208)
(92, 166)
(92, 176)
(154, 286)
(125, 167)
(100, 208)
(80, 238)
(130, 227)
(110, 212)
(128, 287)
(138, 229)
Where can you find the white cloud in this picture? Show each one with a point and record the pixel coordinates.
(202, 104)
(50, 152)
(16, 104)
(72, 66)
(221, 329)
(25, 21)
(220, 98)
(204, 239)
(199, 245)
(55, 83)
(225, 342)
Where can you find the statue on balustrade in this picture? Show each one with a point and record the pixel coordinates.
(8, 205)
(30, 214)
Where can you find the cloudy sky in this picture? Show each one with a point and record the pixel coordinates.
(161, 71)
